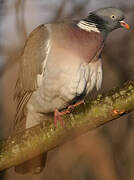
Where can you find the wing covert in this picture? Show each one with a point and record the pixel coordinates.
(33, 55)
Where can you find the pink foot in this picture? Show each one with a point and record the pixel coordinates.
(76, 104)
(57, 116)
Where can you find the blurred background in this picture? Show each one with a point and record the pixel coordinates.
(106, 153)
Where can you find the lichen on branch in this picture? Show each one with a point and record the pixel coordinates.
(36, 140)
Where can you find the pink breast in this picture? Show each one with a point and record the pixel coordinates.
(85, 44)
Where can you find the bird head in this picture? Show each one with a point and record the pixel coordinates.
(108, 19)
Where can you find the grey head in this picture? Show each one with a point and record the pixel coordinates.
(107, 19)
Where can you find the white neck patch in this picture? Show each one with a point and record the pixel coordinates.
(88, 27)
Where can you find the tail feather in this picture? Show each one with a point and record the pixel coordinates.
(33, 166)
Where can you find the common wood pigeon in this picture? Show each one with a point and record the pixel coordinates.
(59, 66)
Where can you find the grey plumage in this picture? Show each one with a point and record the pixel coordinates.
(61, 63)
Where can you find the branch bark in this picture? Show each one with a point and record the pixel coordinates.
(41, 138)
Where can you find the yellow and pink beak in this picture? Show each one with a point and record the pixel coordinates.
(124, 24)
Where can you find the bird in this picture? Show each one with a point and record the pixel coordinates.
(59, 66)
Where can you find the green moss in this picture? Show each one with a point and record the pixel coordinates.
(42, 138)
(108, 100)
(116, 95)
(122, 92)
(130, 87)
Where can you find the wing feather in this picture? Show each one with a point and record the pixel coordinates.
(33, 55)
(99, 75)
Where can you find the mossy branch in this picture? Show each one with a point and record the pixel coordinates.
(34, 141)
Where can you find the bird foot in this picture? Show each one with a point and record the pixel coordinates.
(76, 104)
(57, 116)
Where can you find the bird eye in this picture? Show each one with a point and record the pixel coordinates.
(113, 17)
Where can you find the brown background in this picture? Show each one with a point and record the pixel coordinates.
(103, 154)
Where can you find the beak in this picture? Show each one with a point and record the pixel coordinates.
(124, 24)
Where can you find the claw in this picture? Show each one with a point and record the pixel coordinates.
(57, 116)
(76, 104)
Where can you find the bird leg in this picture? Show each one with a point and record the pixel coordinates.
(75, 105)
(58, 114)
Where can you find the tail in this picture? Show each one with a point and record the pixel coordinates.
(33, 166)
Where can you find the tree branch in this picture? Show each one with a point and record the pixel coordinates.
(34, 141)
